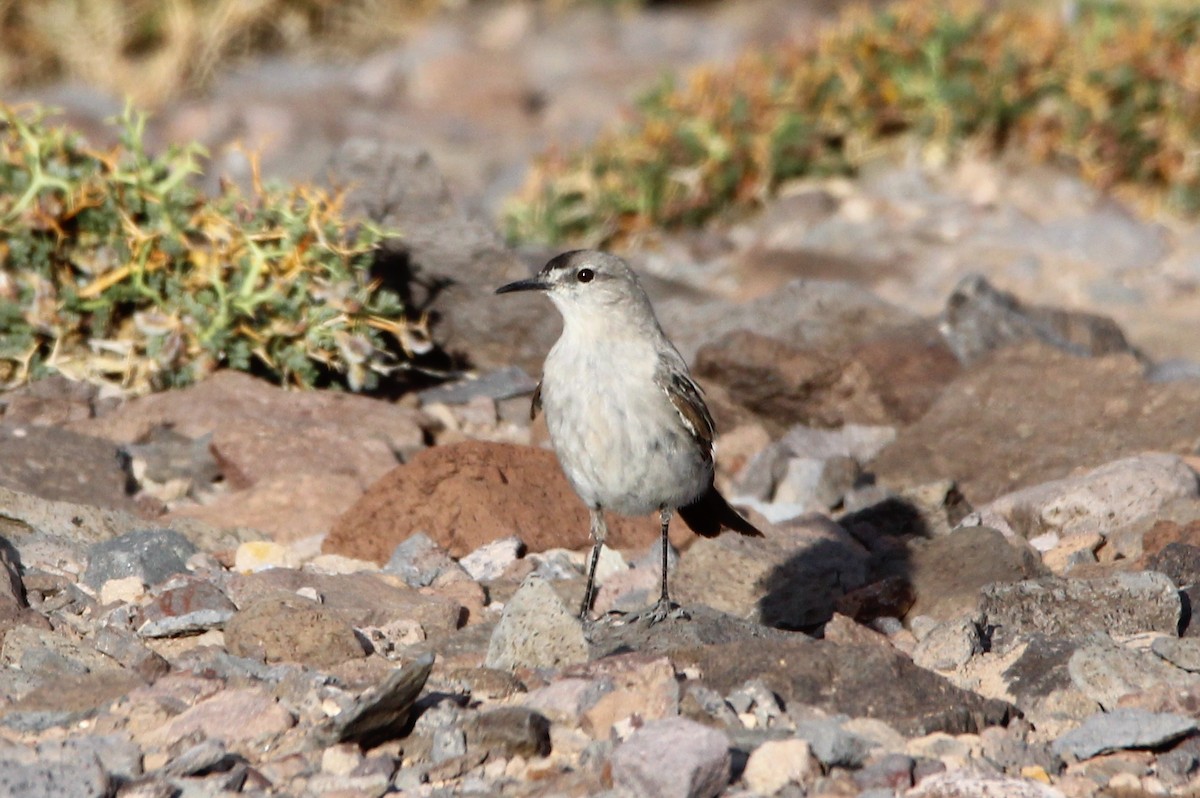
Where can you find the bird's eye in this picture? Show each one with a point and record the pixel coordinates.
(585, 275)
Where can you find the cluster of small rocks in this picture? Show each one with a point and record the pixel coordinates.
(982, 512)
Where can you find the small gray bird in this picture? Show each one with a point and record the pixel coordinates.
(628, 423)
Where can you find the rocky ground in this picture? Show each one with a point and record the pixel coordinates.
(979, 493)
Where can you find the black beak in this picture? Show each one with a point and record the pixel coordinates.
(532, 284)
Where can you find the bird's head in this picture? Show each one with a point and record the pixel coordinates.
(584, 281)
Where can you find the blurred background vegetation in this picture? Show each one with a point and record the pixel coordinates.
(114, 268)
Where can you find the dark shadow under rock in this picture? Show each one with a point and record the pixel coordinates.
(382, 712)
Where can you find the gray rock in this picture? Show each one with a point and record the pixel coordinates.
(1125, 603)
(448, 743)
(673, 758)
(502, 383)
(949, 645)
(419, 561)
(380, 713)
(51, 654)
(536, 631)
(1180, 652)
(31, 515)
(859, 442)
(152, 556)
(491, 559)
(61, 465)
(969, 784)
(164, 455)
(1105, 672)
(193, 607)
(1121, 729)
(1102, 500)
(80, 778)
(889, 772)
(831, 744)
(979, 319)
(120, 757)
(125, 647)
(817, 484)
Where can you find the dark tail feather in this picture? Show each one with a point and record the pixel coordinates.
(710, 513)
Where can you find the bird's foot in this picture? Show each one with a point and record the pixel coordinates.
(656, 614)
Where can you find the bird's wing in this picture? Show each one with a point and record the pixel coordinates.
(688, 399)
(536, 403)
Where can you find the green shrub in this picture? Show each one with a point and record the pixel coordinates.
(115, 268)
(1115, 93)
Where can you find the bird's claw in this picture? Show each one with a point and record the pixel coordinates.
(658, 613)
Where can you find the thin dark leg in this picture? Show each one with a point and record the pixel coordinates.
(591, 582)
(599, 532)
(665, 517)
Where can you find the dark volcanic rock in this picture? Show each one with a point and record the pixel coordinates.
(61, 465)
(968, 433)
(381, 712)
(152, 556)
(857, 680)
(1125, 603)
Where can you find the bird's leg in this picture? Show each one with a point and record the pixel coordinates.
(664, 608)
(599, 532)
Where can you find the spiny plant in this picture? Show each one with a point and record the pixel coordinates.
(1112, 92)
(115, 269)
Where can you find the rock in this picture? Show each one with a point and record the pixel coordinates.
(776, 764)
(967, 784)
(152, 556)
(636, 684)
(123, 590)
(51, 401)
(61, 465)
(271, 439)
(979, 319)
(825, 315)
(1107, 673)
(117, 754)
(831, 744)
(449, 261)
(361, 599)
(262, 555)
(381, 712)
(282, 628)
(1120, 729)
(1124, 603)
(235, 716)
(465, 495)
(1021, 389)
(889, 772)
(948, 573)
(1179, 561)
(51, 654)
(816, 484)
(789, 579)
(125, 647)
(859, 680)
(1182, 653)
(14, 608)
(502, 383)
(949, 645)
(67, 699)
(785, 385)
(508, 732)
(192, 607)
(169, 465)
(673, 758)
(490, 560)
(83, 778)
(1103, 500)
(419, 561)
(536, 630)
(31, 519)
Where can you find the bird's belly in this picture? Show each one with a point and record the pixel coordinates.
(625, 455)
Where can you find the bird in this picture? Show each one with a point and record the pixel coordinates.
(627, 422)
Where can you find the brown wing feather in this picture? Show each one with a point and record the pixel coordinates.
(686, 396)
(535, 404)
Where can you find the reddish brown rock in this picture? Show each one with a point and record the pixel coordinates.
(785, 385)
(1031, 414)
(283, 628)
(468, 494)
(271, 439)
